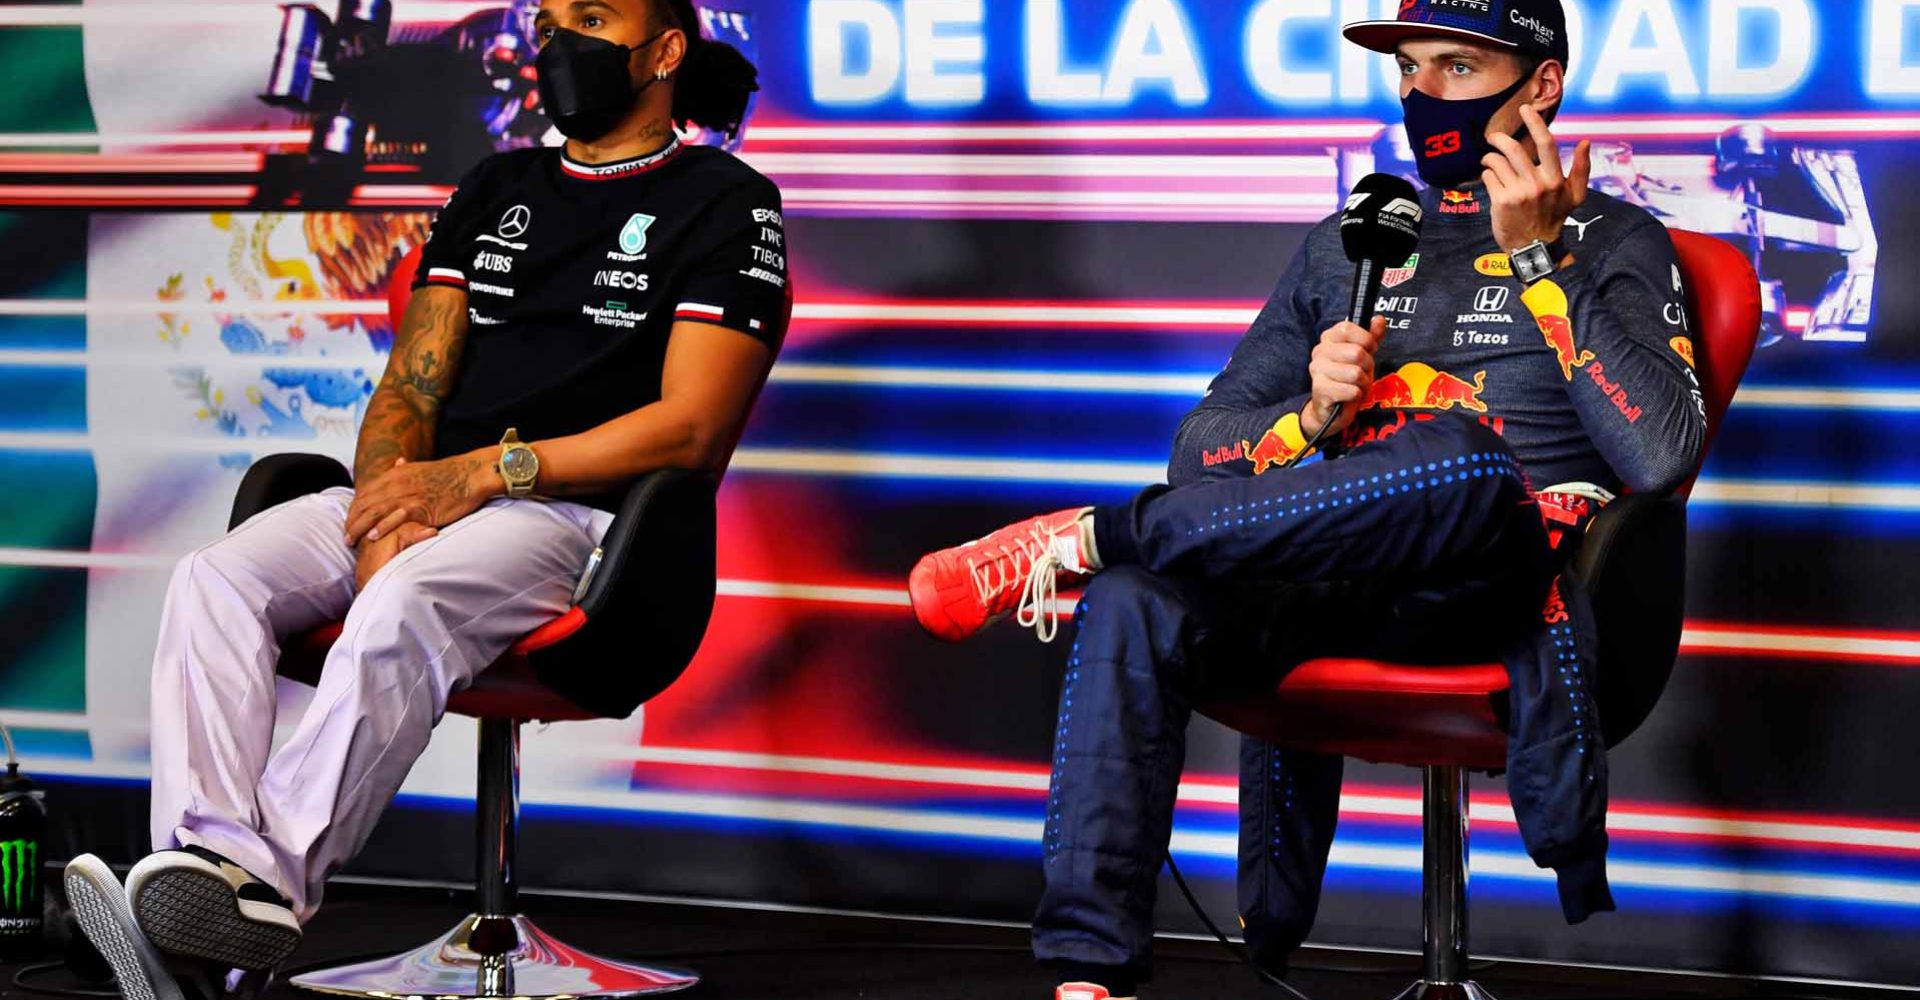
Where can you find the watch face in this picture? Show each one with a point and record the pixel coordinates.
(520, 464)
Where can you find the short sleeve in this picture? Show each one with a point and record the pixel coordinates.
(444, 262)
(740, 278)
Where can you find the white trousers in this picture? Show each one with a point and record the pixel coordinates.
(430, 621)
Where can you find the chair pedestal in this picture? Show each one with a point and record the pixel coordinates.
(1444, 890)
(496, 953)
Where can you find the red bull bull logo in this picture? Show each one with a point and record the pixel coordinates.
(1549, 306)
(1459, 203)
(1420, 386)
(1280, 445)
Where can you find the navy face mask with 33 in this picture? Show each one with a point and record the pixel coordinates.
(1449, 138)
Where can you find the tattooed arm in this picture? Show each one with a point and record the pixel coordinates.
(404, 409)
(399, 426)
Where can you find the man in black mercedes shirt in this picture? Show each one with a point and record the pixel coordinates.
(1529, 362)
(583, 316)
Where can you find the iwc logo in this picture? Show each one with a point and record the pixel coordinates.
(633, 239)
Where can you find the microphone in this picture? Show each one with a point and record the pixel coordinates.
(1380, 227)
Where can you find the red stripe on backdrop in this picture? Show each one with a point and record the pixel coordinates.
(125, 196)
(960, 779)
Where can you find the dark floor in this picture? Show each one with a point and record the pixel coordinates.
(757, 954)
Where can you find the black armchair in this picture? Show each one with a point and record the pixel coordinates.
(631, 634)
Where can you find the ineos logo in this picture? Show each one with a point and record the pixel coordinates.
(513, 225)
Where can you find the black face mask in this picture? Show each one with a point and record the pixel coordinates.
(585, 86)
(1449, 138)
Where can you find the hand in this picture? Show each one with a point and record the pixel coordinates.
(434, 494)
(1531, 201)
(1342, 370)
(376, 554)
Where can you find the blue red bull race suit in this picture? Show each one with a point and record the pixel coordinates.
(1419, 537)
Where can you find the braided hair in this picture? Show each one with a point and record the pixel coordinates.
(715, 80)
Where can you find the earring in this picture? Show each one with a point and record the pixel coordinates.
(660, 74)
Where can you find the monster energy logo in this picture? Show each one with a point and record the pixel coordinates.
(19, 872)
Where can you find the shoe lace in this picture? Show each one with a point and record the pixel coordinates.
(1030, 563)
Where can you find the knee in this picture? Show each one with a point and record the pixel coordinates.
(1124, 593)
(1129, 617)
(216, 565)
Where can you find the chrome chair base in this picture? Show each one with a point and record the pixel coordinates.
(1445, 991)
(496, 957)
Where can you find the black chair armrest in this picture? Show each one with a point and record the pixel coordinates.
(648, 604)
(276, 479)
(1633, 566)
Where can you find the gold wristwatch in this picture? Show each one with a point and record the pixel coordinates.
(518, 465)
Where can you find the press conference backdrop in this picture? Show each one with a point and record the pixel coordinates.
(1024, 234)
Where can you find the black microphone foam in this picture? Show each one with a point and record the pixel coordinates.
(1380, 228)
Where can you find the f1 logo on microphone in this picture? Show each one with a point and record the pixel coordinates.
(1442, 144)
(1404, 208)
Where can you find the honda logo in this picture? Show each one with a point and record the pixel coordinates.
(1492, 299)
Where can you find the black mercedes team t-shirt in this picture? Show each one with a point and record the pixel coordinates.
(576, 274)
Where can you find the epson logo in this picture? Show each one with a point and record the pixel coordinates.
(627, 280)
(1540, 31)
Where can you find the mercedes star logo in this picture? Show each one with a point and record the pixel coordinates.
(514, 224)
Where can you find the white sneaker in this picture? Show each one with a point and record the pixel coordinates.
(196, 904)
(101, 908)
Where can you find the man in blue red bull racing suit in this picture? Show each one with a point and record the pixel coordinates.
(1530, 361)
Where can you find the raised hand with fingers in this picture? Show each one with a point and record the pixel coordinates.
(1532, 200)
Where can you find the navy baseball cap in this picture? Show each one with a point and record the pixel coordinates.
(1535, 27)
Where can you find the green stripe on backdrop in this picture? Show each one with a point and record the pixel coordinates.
(43, 662)
(43, 255)
(43, 73)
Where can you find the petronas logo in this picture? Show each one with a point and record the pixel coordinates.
(633, 238)
(19, 873)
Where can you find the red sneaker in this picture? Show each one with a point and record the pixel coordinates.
(1084, 991)
(957, 591)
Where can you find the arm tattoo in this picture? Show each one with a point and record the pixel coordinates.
(403, 412)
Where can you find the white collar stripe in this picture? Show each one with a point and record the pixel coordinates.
(624, 168)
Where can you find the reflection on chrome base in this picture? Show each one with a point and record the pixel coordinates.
(1445, 991)
(497, 957)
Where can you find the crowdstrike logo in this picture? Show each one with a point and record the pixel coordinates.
(19, 873)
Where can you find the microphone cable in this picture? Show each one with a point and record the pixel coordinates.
(1238, 951)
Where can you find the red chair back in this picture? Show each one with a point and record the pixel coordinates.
(1724, 294)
